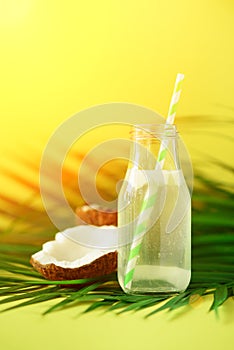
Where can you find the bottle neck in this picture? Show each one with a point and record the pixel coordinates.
(154, 147)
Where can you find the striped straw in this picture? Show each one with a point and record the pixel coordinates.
(170, 118)
(141, 228)
(150, 196)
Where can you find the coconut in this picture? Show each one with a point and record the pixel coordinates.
(96, 215)
(72, 256)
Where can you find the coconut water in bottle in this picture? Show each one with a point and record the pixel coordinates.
(154, 255)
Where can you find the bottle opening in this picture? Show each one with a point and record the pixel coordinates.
(151, 131)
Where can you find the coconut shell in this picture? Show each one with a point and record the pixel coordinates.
(104, 265)
(96, 215)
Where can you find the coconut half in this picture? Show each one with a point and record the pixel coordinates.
(96, 215)
(65, 258)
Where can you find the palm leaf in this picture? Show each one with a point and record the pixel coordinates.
(28, 227)
(220, 296)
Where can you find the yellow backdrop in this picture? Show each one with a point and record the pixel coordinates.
(58, 57)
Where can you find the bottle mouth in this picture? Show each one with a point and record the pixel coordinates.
(142, 131)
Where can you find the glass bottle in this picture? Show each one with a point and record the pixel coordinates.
(154, 247)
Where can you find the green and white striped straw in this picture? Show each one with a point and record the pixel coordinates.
(170, 118)
(150, 197)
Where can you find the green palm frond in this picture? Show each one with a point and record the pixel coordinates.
(28, 227)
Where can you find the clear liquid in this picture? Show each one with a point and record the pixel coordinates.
(163, 264)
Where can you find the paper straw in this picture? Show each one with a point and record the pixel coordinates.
(150, 197)
(170, 118)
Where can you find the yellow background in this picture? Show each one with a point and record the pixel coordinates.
(58, 57)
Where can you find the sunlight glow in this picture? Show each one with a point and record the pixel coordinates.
(14, 11)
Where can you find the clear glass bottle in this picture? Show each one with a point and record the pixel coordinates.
(162, 254)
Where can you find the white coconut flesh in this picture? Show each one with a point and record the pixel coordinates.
(67, 251)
